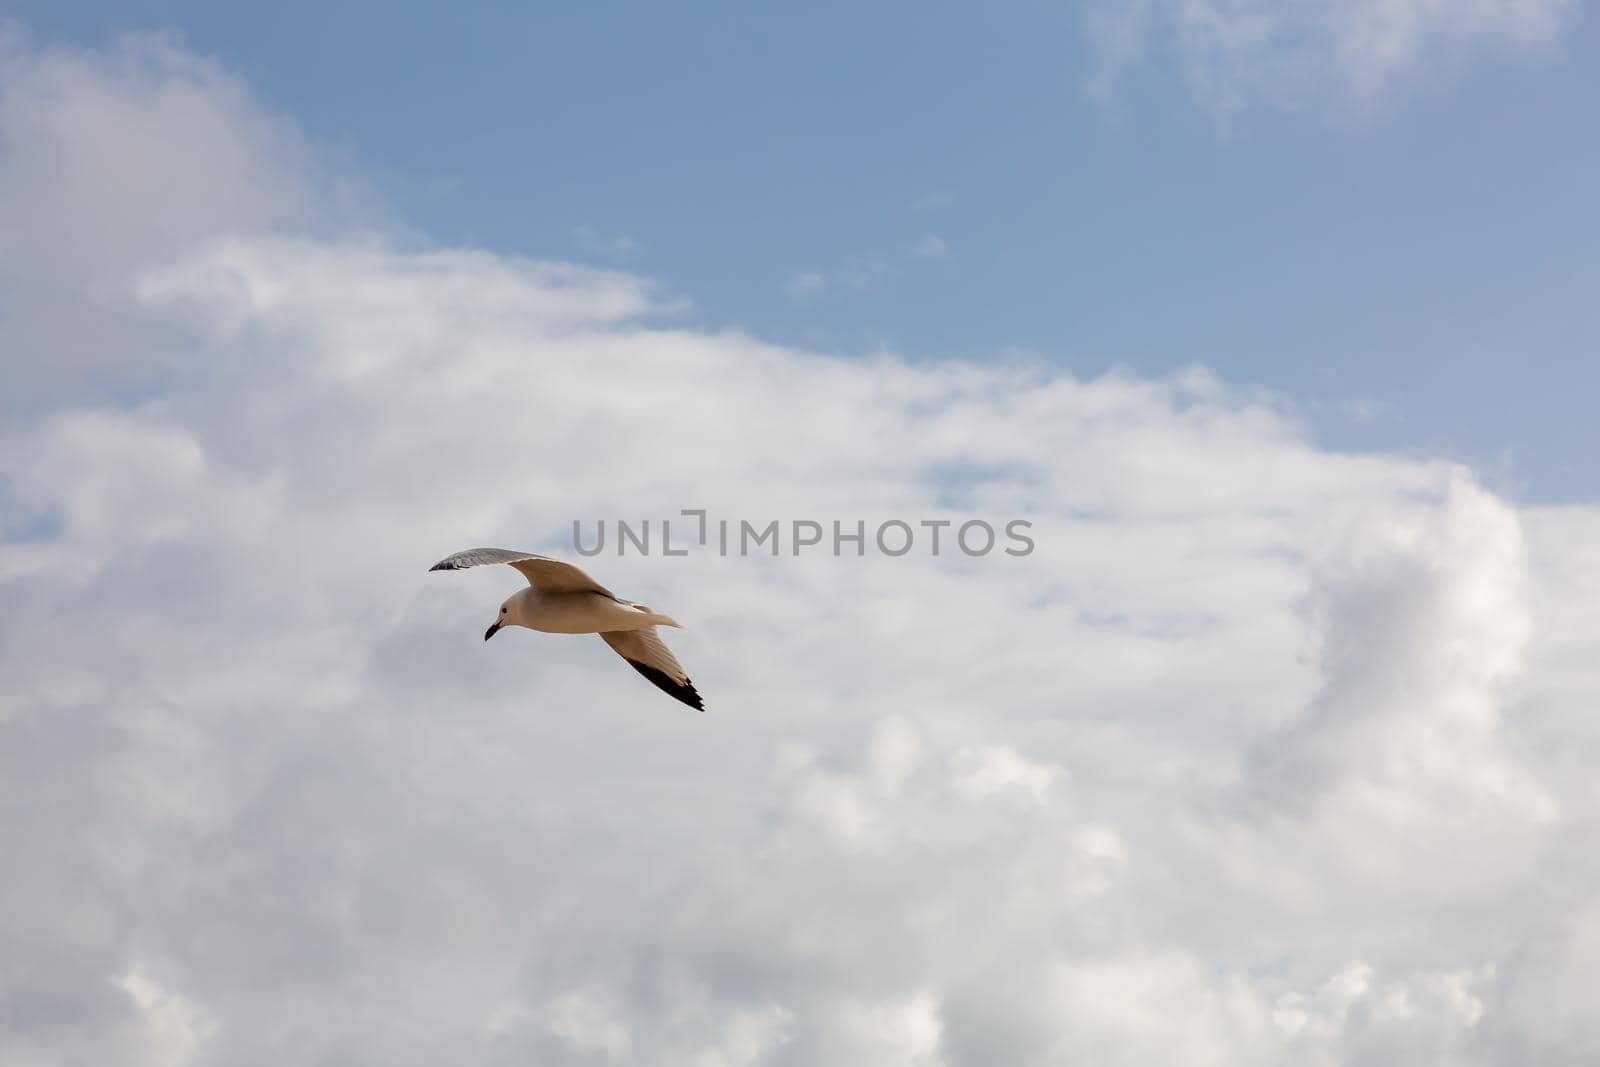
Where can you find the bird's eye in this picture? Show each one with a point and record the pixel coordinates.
(502, 611)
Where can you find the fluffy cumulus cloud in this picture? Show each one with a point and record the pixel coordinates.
(1241, 52)
(1264, 755)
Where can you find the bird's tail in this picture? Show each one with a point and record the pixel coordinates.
(655, 617)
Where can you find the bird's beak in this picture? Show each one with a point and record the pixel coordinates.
(490, 632)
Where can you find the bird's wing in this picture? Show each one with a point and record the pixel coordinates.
(543, 573)
(649, 655)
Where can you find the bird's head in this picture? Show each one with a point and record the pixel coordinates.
(507, 617)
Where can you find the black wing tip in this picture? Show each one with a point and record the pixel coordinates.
(685, 692)
(445, 565)
(689, 695)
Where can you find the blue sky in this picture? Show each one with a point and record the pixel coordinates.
(1413, 268)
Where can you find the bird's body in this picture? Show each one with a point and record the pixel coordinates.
(562, 599)
(579, 613)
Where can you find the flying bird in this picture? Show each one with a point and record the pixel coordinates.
(562, 599)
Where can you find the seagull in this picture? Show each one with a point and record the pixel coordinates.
(562, 599)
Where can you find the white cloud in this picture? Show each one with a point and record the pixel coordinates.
(930, 246)
(808, 281)
(587, 1024)
(751, 1037)
(1242, 52)
(111, 161)
(995, 770)
(860, 273)
(176, 1026)
(869, 271)
(1266, 755)
(613, 246)
(1154, 1008)
(897, 1034)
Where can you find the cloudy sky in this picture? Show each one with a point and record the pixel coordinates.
(1271, 318)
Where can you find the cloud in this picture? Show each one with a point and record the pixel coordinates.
(860, 274)
(111, 161)
(176, 1030)
(930, 246)
(610, 246)
(1266, 755)
(1247, 52)
(867, 272)
(809, 281)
